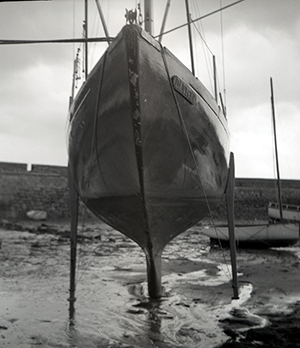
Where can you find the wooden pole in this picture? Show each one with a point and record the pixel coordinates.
(86, 38)
(222, 104)
(231, 227)
(190, 35)
(73, 241)
(215, 78)
(148, 16)
(276, 151)
(164, 20)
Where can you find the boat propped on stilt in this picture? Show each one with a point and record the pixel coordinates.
(148, 145)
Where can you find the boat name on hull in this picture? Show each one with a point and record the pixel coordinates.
(183, 89)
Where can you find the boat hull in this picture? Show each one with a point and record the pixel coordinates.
(262, 236)
(148, 147)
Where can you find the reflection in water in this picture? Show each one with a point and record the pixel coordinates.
(112, 307)
(153, 318)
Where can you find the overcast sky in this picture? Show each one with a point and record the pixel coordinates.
(252, 41)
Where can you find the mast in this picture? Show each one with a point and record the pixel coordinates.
(199, 18)
(215, 78)
(190, 35)
(86, 37)
(148, 16)
(75, 68)
(276, 150)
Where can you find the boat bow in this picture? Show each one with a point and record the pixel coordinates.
(148, 146)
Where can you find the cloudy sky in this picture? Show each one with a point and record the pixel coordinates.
(252, 41)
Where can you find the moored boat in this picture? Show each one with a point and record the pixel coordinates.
(265, 235)
(255, 235)
(279, 211)
(148, 145)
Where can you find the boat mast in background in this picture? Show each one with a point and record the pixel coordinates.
(276, 151)
(86, 37)
(188, 16)
(164, 21)
(148, 16)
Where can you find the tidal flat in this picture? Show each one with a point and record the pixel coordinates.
(112, 307)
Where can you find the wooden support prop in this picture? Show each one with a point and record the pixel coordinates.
(231, 227)
(73, 242)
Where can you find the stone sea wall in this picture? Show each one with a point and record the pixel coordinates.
(35, 188)
(40, 187)
(252, 197)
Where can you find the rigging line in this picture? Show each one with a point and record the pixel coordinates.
(225, 260)
(225, 269)
(190, 36)
(97, 111)
(199, 28)
(210, 79)
(282, 135)
(94, 30)
(93, 143)
(205, 55)
(202, 38)
(185, 132)
(198, 19)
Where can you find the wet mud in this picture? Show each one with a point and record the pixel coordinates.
(112, 308)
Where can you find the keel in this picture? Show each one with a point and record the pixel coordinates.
(154, 273)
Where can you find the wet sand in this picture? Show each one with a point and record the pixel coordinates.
(112, 306)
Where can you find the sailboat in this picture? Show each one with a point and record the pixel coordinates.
(273, 234)
(263, 235)
(148, 145)
(279, 211)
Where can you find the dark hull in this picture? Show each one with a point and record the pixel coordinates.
(148, 146)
